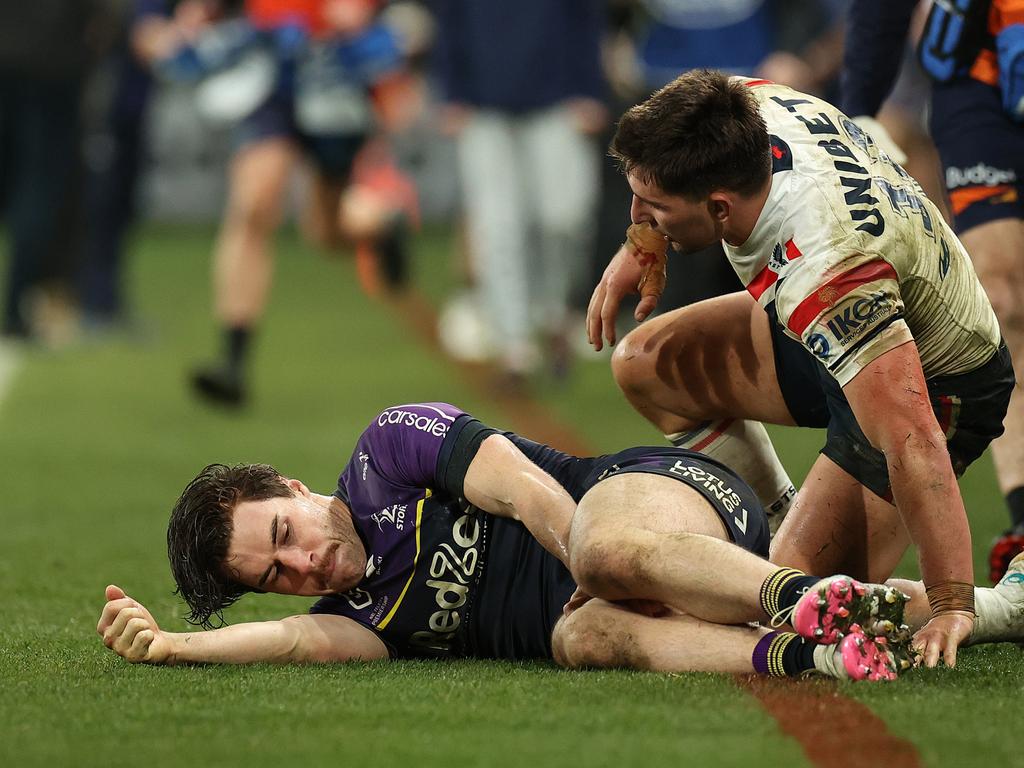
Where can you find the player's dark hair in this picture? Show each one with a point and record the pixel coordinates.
(700, 133)
(199, 533)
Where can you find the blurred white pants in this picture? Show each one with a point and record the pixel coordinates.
(530, 184)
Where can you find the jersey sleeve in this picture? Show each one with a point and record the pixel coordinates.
(846, 311)
(403, 443)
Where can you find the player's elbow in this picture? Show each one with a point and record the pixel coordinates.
(302, 641)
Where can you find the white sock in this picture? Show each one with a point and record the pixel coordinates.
(744, 447)
(998, 619)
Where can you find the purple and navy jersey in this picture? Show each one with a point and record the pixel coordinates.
(443, 578)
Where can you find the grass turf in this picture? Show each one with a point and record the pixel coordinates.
(97, 440)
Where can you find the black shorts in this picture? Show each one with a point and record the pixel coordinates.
(731, 498)
(332, 156)
(969, 408)
(982, 152)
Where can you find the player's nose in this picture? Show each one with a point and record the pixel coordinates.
(638, 212)
(301, 561)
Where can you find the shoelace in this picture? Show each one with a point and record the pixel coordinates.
(782, 616)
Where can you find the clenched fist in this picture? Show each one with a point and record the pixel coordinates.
(130, 631)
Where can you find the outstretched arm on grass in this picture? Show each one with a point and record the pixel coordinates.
(130, 631)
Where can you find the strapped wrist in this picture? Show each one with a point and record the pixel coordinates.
(951, 597)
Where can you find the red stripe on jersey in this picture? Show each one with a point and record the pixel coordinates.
(755, 83)
(792, 252)
(827, 295)
(764, 280)
(712, 437)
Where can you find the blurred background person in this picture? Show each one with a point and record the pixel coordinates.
(523, 93)
(967, 48)
(115, 143)
(301, 78)
(46, 50)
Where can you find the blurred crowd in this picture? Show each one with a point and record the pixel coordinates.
(491, 117)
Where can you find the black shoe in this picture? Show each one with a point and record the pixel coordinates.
(219, 386)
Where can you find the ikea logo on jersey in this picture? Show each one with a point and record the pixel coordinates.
(850, 321)
(432, 425)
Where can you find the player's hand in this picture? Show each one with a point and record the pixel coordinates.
(621, 278)
(941, 636)
(129, 630)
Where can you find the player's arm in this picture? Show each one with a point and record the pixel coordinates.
(876, 34)
(502, 481)
(130, 630)
(889, 397)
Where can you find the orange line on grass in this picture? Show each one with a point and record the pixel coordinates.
(830, 728)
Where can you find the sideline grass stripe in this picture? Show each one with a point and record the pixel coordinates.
(10, 362)
(831, 729)
(807, 711)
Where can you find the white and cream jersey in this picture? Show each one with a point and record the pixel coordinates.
(854, 257)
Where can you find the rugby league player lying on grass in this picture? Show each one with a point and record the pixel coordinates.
(446, 538)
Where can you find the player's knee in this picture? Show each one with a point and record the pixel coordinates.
(612, 568)
(581, 640)
(633, 362)
(255, 216)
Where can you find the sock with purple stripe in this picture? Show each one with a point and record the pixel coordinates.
(783, 654)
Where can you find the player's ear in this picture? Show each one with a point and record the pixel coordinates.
(719, 205)
(298, 486)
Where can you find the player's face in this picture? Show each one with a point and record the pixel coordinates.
(688, 225)
(296, 545)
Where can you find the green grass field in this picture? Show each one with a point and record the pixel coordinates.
(96, 441)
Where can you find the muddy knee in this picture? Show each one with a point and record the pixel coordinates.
(593, 637)
(611, 568)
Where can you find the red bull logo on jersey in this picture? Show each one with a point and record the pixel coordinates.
(432, 425)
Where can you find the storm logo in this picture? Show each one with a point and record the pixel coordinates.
(395, 515)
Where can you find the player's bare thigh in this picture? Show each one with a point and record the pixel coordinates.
(258, 175)
(645, 501)
(616, 529)
(713, 359)
(997, 252)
